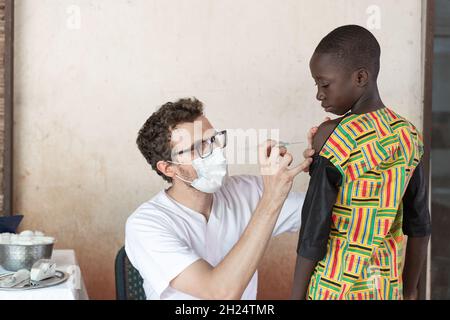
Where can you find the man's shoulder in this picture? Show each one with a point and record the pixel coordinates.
(148, 213)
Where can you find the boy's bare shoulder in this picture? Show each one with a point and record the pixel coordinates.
(323, 133)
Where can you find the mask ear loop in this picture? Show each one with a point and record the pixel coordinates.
(176, 175)
(184, 180)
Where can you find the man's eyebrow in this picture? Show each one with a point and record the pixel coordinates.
(195, 142)
(177, 149)
(188, 148)
(214, 132)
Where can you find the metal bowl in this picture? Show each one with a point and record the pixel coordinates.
(14, 257)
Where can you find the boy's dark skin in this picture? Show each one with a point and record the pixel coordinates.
(341, 90)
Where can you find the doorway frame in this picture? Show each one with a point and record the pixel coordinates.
(429, 32)
(8, 77)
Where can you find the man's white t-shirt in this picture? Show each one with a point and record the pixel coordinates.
(163, 237)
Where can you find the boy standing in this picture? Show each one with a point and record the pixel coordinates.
(367, 186)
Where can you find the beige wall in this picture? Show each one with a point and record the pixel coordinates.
(82, 90)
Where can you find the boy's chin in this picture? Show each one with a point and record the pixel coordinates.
(334, 111)
(338, 111)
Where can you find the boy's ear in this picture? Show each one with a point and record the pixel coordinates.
(165, 168)
(361, 77)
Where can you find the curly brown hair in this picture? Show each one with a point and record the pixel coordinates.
(154, 137)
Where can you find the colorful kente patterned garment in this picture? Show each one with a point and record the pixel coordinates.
(375, 154)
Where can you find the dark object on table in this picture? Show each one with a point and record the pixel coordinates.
(10, 224)
(129, 283)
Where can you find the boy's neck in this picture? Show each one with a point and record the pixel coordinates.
(368, 102)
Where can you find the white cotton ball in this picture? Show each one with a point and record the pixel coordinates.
(39, 238)
(48, 240)
(43, 240)
(5, 238)
(25, 238)
(27, 233)
(24, 242)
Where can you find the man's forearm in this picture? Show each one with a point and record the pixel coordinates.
(237, 268)
(303, 271)
(416, 253)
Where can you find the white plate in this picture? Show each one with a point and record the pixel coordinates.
(60, 277)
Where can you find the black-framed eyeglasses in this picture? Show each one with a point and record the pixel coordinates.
(205, 147)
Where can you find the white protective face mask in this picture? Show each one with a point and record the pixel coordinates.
(211, 171)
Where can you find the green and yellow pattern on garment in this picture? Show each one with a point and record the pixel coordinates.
(376, 154)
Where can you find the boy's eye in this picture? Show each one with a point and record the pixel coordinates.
(322, 85)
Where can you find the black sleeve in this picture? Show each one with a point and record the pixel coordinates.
(416, 215)
(317, 208)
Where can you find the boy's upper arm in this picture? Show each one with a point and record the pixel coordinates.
(323, 133)
(320, 198)
(317, 209)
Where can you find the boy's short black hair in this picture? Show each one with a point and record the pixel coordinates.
(355, 47)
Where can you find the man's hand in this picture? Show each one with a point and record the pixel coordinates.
(309, 152)
(277, 176)
(230, 278)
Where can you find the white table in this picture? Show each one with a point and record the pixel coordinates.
(72, 289)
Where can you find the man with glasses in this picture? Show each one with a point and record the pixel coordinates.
(204, 237)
